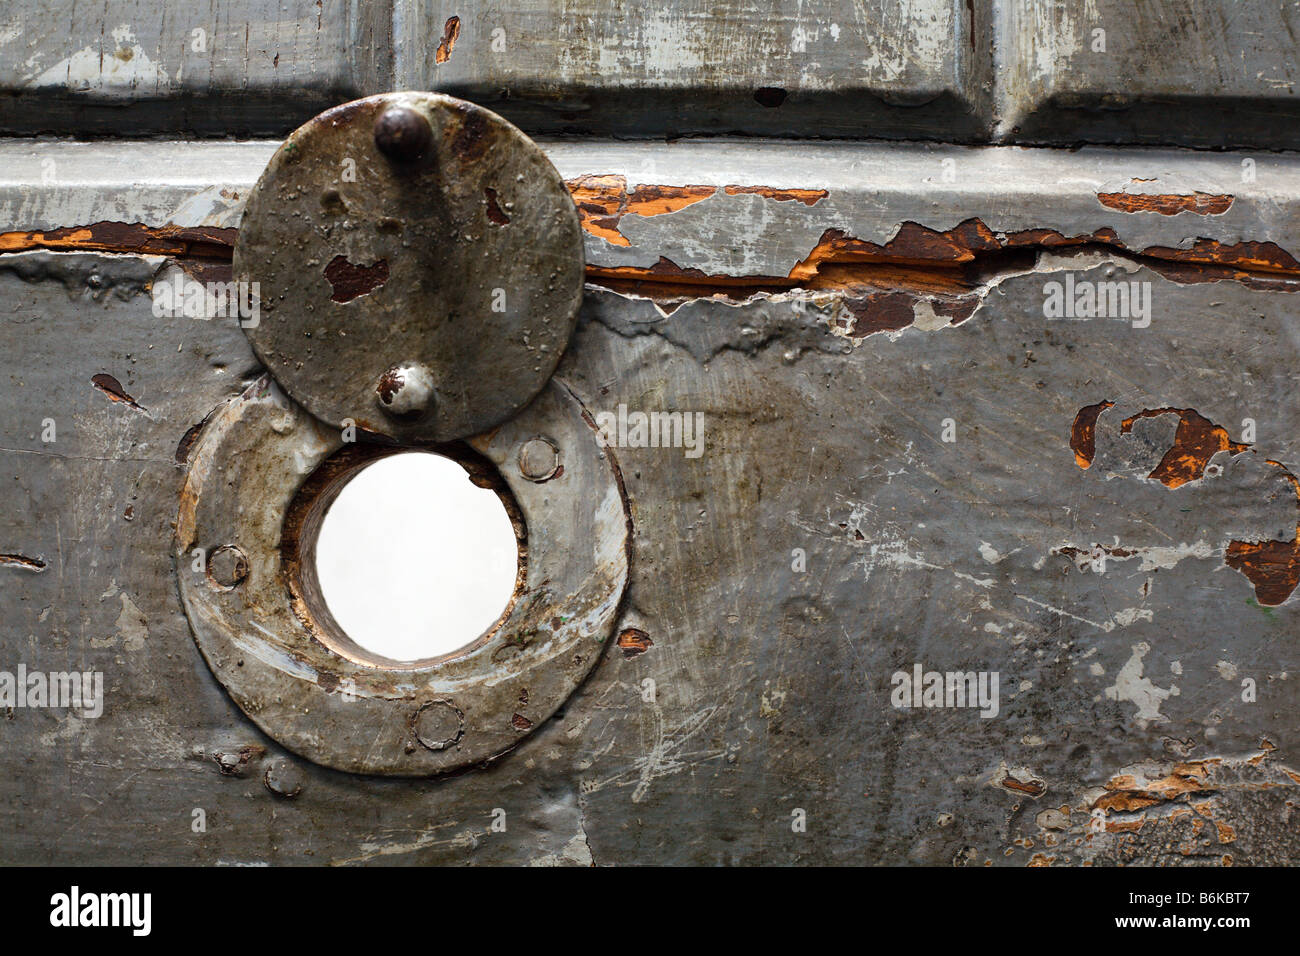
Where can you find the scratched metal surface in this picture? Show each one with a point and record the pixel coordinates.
(825, 315)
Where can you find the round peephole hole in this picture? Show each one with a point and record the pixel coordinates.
(413, 560)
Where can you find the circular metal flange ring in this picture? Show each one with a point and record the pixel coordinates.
(417, 263)
(271, 648)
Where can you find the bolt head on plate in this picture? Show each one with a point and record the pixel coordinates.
(403, 134)
(227, 567)
(538, 459)
(406, 389)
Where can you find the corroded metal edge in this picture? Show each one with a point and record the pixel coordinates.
(245, 470)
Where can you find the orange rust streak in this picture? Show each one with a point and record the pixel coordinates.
(665, 270)
(600, 201)
(450, 34)
(1266, 257)
(198, 242)
(912, 244)
(1126, 796)
(603, 201)
(1125, 826)
(1031, 787)
(917, 261)
(634, 641)
(809, 197)
(1083, 433)
(1167, 204)
(658, 200)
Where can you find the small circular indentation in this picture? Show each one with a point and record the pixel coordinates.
(227, 568)
(539, 460)
(402, 134)
(438, 725)
(406, 390)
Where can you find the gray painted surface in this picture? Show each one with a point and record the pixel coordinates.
(1121, 690)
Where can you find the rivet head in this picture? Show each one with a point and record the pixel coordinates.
(402, 134)
(227, 567)
(283, 779)
(406, 390)
(438, 725)
(539, 460)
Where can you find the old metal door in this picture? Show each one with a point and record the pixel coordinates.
(972, 537)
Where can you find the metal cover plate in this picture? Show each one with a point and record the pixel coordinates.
(454, 276)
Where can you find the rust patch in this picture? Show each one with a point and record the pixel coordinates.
(634, 641)
(113, 389)
(880, 312)
(1077, 553)
(940, 267)
(349, 281)
(923, 260)
(22, 561)
(1245, 257)
(1034, 788)
(127, 237)
(186, 444)
(1272, 567)
(1197, 441)
(1167, 204)
(470, 140)
(658, 200)
(1083, 433)
(1125, 826)
(604, 200)
(450, 34)
(388, 385)
(912, 243)
(1125, 795)
(494, 210)
(809, 197)
(600, 201)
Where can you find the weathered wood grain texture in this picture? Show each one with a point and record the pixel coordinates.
(1208, 74)
(1172, 72)
(1122, 734)
(131, 68)
(821, 69)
